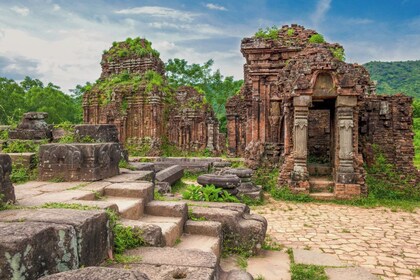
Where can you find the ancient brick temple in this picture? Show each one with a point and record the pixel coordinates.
(132, 93)
(303, 108)
(192, 123)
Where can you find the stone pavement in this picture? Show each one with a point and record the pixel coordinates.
(386, 243)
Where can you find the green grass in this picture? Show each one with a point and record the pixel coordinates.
(75, 206)
(242, 262)
(306, 272)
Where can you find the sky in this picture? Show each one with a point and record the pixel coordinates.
(62, 41)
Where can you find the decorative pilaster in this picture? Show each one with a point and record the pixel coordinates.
(210, 136)
(300, 137)
(345, 122)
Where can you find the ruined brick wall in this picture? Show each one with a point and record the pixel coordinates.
(133, 94)
(387, 122)
(192, 124)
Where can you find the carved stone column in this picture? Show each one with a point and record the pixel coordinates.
(300, 137)
(210, 136)
(345, 109)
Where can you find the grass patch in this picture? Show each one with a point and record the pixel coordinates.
(179, 186)
(126, 238)
(305, 272)
(271, 245)
(75, 206)
(416, 271)
(242, 262)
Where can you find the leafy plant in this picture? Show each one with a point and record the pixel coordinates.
(269, 33)
(126, 238)
(290, 32)
(208, 193)
(316, 39)
(338, 53)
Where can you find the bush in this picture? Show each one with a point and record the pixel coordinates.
(338, 53)
(269, 33)
(316, 39)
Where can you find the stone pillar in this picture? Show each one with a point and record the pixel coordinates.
(300, 137)
(210, 136)
(345, 109)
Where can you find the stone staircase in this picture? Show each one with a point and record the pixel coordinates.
(164, 225)
(321, 186)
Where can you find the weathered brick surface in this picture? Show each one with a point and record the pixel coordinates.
(7, 192)
(386, 121)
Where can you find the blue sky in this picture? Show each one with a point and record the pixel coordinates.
(62, 41)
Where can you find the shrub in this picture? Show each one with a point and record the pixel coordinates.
(338, 53)
(269, 33)
(290, 32)
(316, 39)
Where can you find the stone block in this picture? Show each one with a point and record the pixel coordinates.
(89, 232)
(170, 174)
(29, 250)
(79, 161)
(302, 101)
(101, 133)
(7, 192)
(346, 101)
(349, 273)
(315, 258)
(98, 273)
(238, 226)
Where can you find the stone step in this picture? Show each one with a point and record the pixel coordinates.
(322, 196)
(143, 190)
(207, 228)
(319, 169)
(132, 176)
(321, 184)
(172, 227)
(167, 208)
(128, 208)
(200, 242)
(172, 263)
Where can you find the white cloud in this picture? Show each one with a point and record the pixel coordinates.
(23, 11)
(212, 6)
(321, 10)
(56, 7)
(159, 12)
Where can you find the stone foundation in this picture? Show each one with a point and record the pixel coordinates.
(78, 162)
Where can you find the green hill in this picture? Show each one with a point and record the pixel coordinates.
(394, 77)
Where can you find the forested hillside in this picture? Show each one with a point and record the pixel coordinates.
(394, 77)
